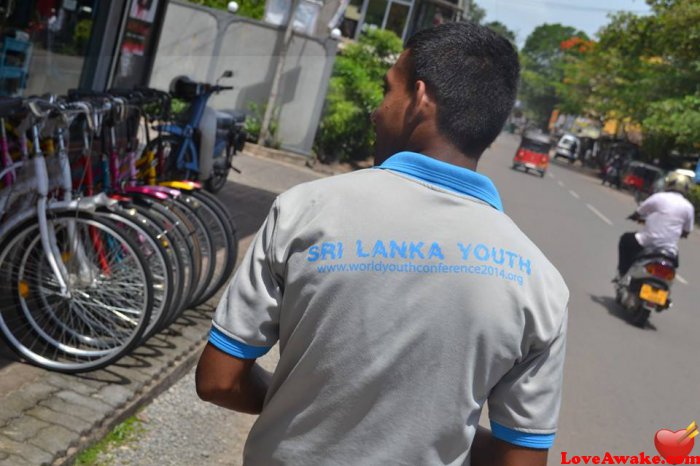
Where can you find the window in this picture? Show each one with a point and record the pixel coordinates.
(43, 44)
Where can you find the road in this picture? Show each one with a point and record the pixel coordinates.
(622, 383)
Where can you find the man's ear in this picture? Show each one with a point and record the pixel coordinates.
(424, 103)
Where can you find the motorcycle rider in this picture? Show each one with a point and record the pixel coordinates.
(668, 216)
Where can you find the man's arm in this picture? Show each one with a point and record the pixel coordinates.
(230, 382)
(489, 451)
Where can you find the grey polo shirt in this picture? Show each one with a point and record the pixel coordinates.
(403, 299)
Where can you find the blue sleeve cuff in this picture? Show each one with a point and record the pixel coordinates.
(522, 439)
(234, 347)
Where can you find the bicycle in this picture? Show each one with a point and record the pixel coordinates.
(77, 294)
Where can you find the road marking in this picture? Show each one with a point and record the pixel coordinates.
(681, 279)
(575, 194)
(560, 183)
(599, 214)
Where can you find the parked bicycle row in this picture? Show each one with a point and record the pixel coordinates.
(105, 239)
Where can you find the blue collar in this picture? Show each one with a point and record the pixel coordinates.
(444, 175)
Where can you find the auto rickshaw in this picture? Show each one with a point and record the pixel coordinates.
(640, 178)
(533, 153)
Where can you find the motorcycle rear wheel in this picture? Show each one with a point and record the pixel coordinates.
(641, 317)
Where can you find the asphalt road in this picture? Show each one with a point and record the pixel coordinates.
(622, 383)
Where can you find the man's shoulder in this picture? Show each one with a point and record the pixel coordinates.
(336, 184)
(543, 269)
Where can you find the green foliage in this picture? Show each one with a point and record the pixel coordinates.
(355, 90)
(694, 197)
(644, 69)
(543, 60)
(475, 13)
(248, 8)
(125, 432)
(253, 123)
(81, 35)
(501, 29)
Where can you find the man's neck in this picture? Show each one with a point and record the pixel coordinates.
(449, 154)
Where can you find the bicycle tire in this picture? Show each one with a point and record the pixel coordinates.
(230, 233)
(139, 229)
(26, 285)
(196, 213)
(177, 234)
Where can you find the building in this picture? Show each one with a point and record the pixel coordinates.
(404, 17)
(50, 46)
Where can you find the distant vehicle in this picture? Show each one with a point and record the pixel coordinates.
(567, 147)
(642, 179)
(646, 287)
(658, 184)
(533, 153)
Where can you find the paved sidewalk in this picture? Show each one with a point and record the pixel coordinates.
(47, 418)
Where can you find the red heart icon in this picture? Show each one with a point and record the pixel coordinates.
(673, 446)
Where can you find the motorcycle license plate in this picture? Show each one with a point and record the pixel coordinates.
(653, 295)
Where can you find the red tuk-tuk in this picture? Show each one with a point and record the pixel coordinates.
(641, 177)
(533, 153)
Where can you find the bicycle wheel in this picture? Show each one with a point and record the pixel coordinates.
(225, 238)
(110, 294)
(178, 235)
(169, 240)
(192, 239)
(140, 230)
(194, 210)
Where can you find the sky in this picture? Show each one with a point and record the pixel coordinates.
(522, 16)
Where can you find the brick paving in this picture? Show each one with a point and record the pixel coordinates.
(47, 418)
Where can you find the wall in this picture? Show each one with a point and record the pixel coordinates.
(202, 43)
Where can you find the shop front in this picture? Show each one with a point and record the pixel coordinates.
(50, 46)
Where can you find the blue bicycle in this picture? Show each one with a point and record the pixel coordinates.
(201, 143)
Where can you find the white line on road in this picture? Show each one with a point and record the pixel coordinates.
(600, 215)
(560, 183)
(681, 279)
(575, 194)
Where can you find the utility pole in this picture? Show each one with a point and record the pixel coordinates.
(277, 77)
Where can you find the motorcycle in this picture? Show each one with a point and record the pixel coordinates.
(646, 287)
(204, 140)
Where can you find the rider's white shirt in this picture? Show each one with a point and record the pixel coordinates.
(667, 215)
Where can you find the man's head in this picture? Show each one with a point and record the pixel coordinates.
(676, 182)
(454, 84)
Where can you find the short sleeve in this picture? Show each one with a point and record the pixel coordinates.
(524, 404)
(246, 321)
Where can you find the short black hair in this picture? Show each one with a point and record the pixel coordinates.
(472, 73)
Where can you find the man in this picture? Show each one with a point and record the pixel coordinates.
(668, 216)
(402, 297)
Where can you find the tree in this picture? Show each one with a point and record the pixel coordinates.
(644, 69)
(355, 90)
(542, 61)
(474, 12)
(501, 29)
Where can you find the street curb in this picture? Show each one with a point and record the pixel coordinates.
(291, 158)
(151, 389)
